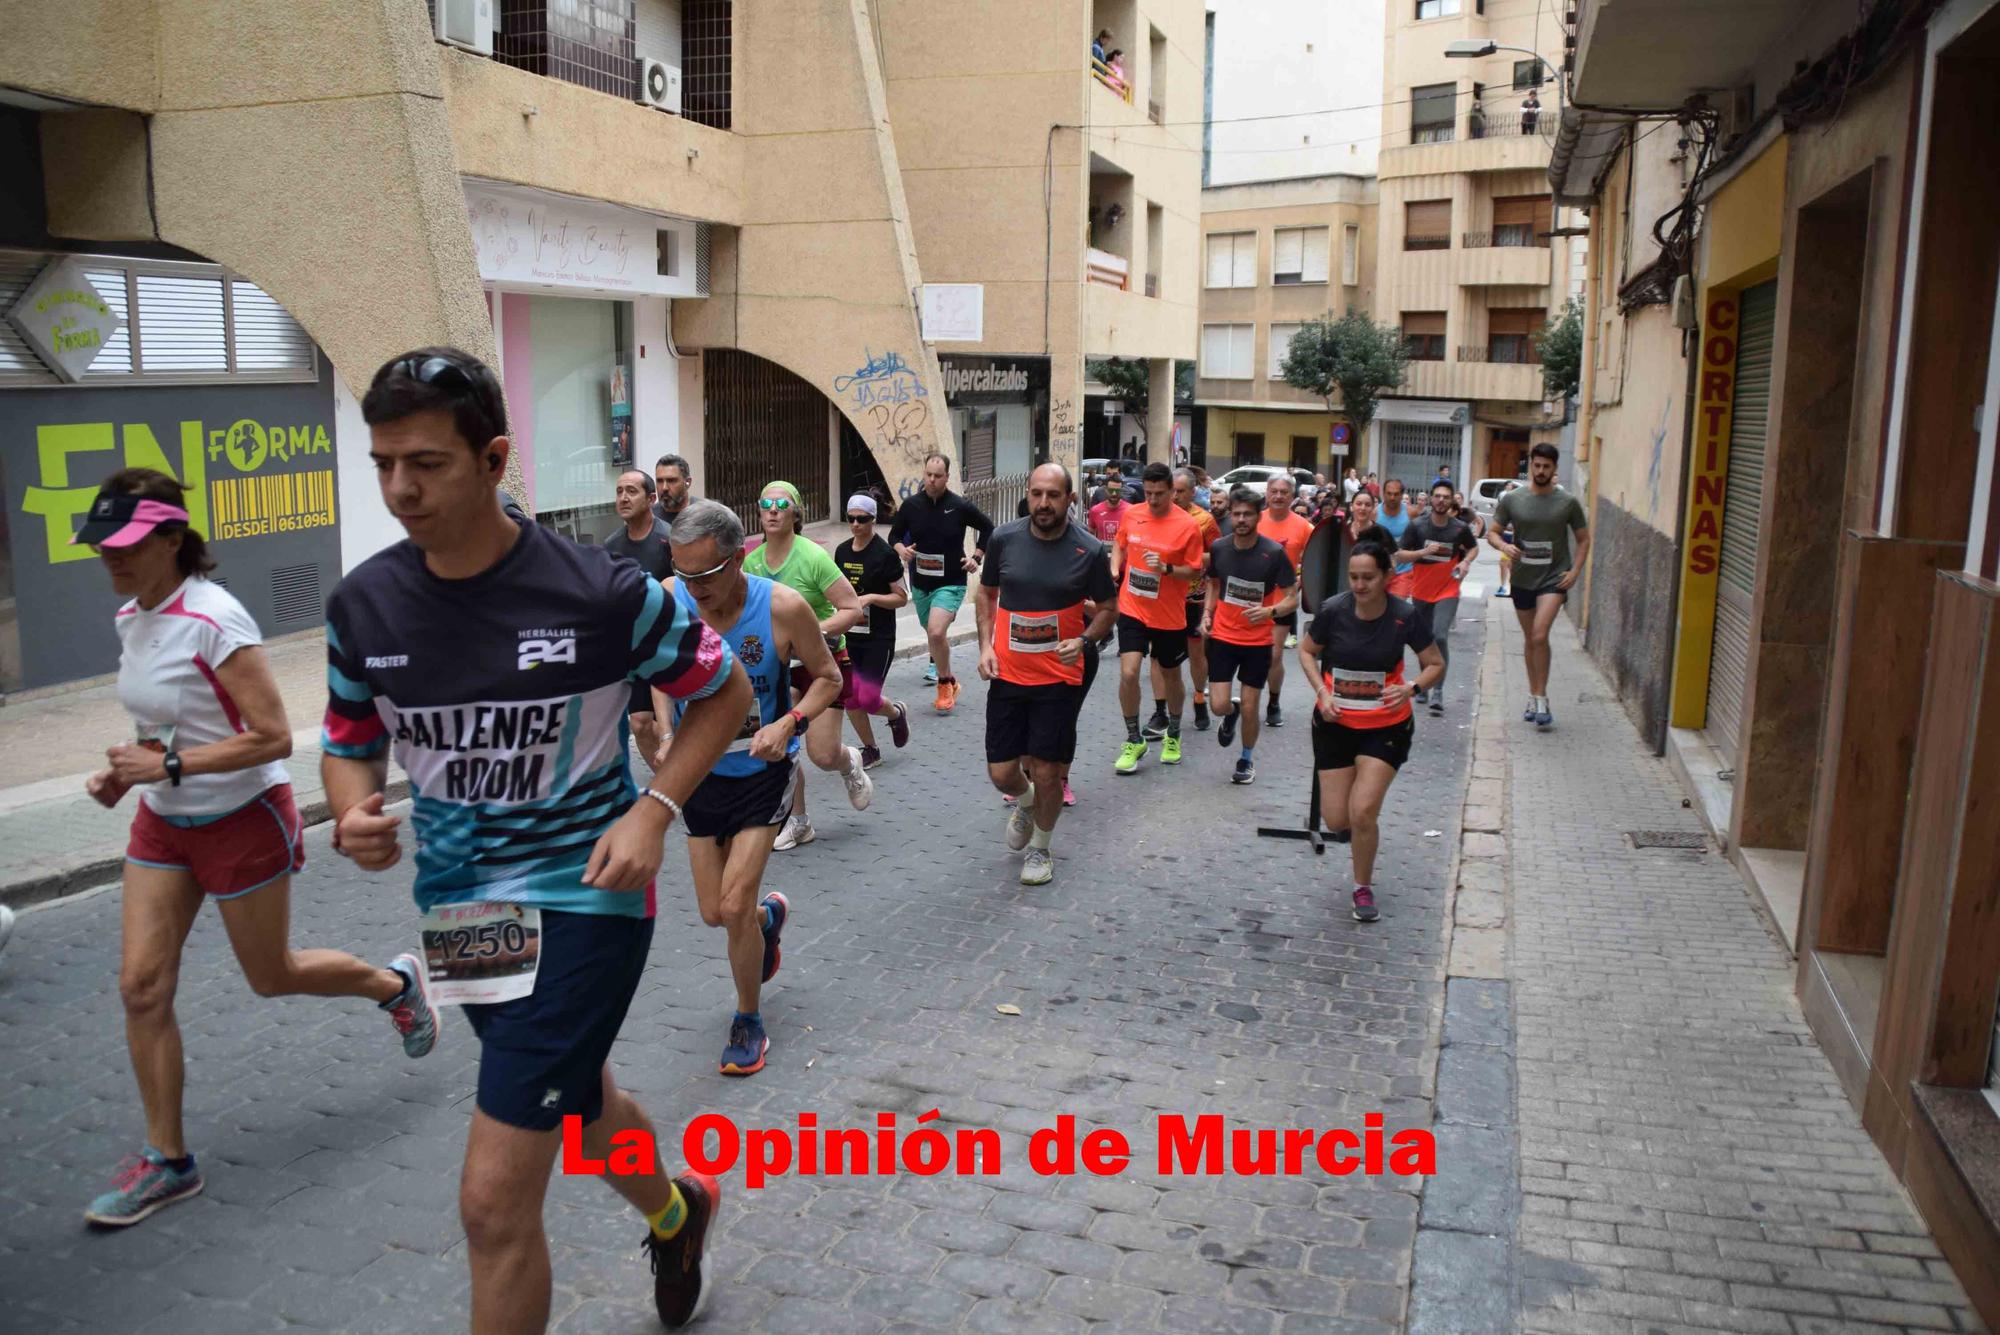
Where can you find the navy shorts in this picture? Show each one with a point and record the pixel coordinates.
(541, 1056)
(1247, 663)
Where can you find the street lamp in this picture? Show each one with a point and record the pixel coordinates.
(1477, 49)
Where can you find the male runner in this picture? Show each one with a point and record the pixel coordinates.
(1156, 553)
(1156, 728)
(1039, 573)
(1445, 546)
(1292, 532)
(734, 815)
(496, 656)
(1109, 513)
(675, 479)
(1394, 516)
(1244, 595)
(642, 541)
(929, 533)
(1542, 516)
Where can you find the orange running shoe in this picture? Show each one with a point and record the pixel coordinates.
(947, 695)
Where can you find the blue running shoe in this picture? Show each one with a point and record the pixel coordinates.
(930, 672)
(776, 909)
(1246, 772)
(744, 1054)
(145, 1183)
(412, 1013)
(1528, 714)
(1544, 720)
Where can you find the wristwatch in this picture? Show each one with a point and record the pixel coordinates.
(171, 762)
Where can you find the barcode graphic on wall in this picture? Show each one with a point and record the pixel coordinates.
(248, 507)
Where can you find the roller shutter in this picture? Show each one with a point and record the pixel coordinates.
(1742, 507)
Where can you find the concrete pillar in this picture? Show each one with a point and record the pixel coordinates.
(1160, 410)
(1065, 409)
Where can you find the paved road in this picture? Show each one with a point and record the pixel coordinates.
(1178, 964)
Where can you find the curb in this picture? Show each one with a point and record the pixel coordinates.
(62, 882)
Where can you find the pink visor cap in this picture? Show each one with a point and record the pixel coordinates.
(120, 519)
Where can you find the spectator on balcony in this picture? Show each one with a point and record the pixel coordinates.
(1531, 112)
(1100, 44)
(1114, 65)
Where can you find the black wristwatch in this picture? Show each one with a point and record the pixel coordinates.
(172, 764)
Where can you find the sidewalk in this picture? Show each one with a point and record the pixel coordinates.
(55, 841)
(1687, 1157)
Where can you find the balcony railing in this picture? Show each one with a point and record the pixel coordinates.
(1506, 349)
(1440, 133)
(1105, 75)
(1101, 266)
(1497, 125)
(1420, 242)
(1512, 235)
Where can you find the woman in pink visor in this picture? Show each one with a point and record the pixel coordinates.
(215, 818)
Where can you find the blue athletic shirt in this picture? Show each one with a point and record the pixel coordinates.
(505, 697)
(1396, 524)
(754, 645)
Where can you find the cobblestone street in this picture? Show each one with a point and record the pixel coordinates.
(1177, 965)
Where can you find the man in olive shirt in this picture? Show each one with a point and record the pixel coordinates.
(1543, 517)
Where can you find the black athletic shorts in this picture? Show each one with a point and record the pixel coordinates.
(1247, 663)
(541, 1057)
(1036, 721)
(1526, 599)
(642, 699)
(1335, 745)
(723, 804)
(1168, 647)
(1194, 616)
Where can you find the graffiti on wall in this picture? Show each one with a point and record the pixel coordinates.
(1062, 433)
(891, 405)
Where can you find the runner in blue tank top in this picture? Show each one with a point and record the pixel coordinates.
(734, 816)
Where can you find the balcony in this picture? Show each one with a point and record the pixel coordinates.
(1120, 85)
(1482, 379)
(1457, 149)
(1504, 350)
(1101, 266)
(1416, 241)
(1480, 264)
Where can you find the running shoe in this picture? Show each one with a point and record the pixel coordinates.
(1156, 726)
(899, 726)
(1420, 696)
(1437, 705)
(1500, 592)
(943, 702)
(1069, 798)
(860, 788)
(1364, 905)
(1226, 733)
(677, 1288)
(6, 925)
(1129, 756)
(144, 1183)
(1528, 714)
(411, 1012)
(776, 909)
(1544, 720)
(1291, 641)
(744, 1053)
(871, 756)
(798, 830)
(930, 672)
(1274, 717)
(1170, 751)
(1037, 867)
(1246, 771)
(1201, 716)
(1021, 822)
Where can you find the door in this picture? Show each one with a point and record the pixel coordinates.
(1742, 507)
(1417, 450)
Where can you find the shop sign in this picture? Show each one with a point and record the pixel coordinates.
(970, 381)
(1701, 550)
(65, 319)
(533, 240)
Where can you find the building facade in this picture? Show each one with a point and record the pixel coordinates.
(1276, 254)
(1834, 694)
(1293, 90)
(811, 241)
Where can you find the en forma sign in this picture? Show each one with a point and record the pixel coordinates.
(1701, 553)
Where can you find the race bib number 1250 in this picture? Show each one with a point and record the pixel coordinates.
(481, 952)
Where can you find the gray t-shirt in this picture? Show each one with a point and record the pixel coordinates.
(1542, 525)
(652, 553)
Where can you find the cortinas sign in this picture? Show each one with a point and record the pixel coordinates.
(64, 319)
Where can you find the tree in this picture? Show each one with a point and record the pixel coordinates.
(1131, 382)
(1351, 358)
(1560, 346)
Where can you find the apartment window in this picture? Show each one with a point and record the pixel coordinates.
(1305, 452)
(1423, 334)
(1226, 351)
(1249, 447)
(706, 61)
(1510, 335)
(1298, 255)
(1522, 220)
(1437, 9)
(1427, 224)
(1281, 343)
(1433, 108)
(1528, 74)
(1350, 254)
(1232, 259)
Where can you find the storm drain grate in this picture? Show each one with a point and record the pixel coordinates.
(1667, 839)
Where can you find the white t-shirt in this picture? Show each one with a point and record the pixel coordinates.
(167, 682)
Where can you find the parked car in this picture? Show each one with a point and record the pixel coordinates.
(1255, 476)
(1486, 493)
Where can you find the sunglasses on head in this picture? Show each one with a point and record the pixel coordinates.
(774, 503)
(441, 372)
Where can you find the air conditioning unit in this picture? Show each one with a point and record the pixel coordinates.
(465, 23)
(660, 85)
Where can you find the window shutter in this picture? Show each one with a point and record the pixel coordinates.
(1428, 217)
(1245, 268)
(1281, 343)
(1423, 322)
(1350, 254)
(180, 324)
(267, 339)
(1242, 350)
(1314, 241)
(1514, 320)
(1515, 211)
(1288, 244)
(17, 360)
(116, 357)
(1221, 247)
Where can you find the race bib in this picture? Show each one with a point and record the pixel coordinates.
(1357, 690)
(1142, 583)
(1243, 593)
(930, 566)
(751, 722)
(1537, 553)
(481, 953)
(1033, 634)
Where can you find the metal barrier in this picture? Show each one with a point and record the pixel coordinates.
(999, 497)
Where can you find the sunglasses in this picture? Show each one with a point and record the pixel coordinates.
(774, 503)
(704, 576)
(861, 519)
(441, 372)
